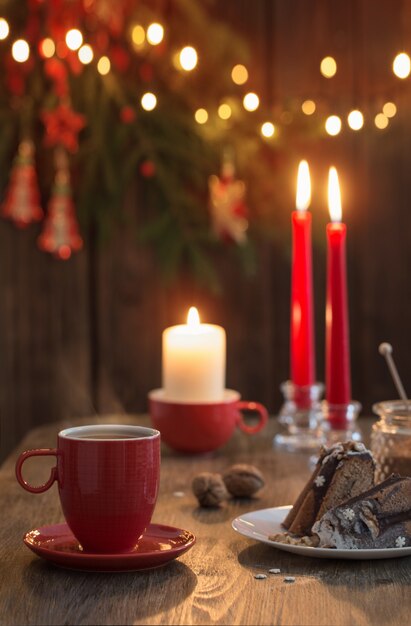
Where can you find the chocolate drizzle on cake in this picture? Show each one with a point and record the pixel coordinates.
(344, 470)
(381, 518)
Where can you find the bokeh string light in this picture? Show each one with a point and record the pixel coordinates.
(85, 54)
(201, 116)
(20, 50)
(333, 125)
(47, 48)
(239, 74)
(267, 129)
(4, 28)
(155, 34)
(328, 67)
(103, 65)
(308, 107)
(148, 101)
(187, 59)
(389, 109)
(138, 35)
(224, 111)
(381, 121)
(74, 39)
(355, 120)
(402, 65)
(251, 101)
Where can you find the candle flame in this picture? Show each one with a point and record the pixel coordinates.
(193, 318)
(334, 196)
(303, 197)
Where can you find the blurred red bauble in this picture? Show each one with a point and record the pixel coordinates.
(127, 115)
(15, 83)
(55, 69)
(146, 72)
(119, 58)
(147, 169)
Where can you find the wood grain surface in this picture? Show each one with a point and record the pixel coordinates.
(214, 582)
(85, 335)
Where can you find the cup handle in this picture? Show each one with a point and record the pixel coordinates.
(243, 405)
(19, 464)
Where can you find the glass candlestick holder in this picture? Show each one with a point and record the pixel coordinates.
(300, 417)
(340, 421)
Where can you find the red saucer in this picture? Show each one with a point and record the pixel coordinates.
(159, 545)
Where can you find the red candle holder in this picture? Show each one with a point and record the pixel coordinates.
(340, 421)
(199, 427)
(301, 417)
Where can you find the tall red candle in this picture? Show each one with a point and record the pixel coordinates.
(302, 348)
(338, 376)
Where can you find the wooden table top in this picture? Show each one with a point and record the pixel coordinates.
(214, 582)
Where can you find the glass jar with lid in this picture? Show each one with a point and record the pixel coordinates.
(391, 439)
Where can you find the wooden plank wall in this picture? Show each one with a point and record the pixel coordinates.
(85, 336)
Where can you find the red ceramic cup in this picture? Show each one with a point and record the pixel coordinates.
(194, 427)
(108, 477)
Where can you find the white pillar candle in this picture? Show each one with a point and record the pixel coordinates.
(194, 361)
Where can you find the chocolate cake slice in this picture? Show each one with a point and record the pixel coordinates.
(378, 518)
(344, 470)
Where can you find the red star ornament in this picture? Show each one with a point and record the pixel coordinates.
(63, 126)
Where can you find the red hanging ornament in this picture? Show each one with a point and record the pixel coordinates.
(63, 126)
(22, 201)
(60, 234)
(227, 206)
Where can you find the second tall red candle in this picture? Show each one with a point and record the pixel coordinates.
(302, 346)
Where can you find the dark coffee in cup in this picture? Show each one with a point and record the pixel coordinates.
(106, 436)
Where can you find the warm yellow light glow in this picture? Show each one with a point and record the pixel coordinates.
(308, 107)
(85, 54)
(381, 121)
(333, 125)
(193, 318)
(148, 101)
(355, 120)
(328, 67)
(4, 28)
(138, 35)
(201, 116)
(239, 74)
(334, 196)
(303, 196)
(48, 48)
(251, 101)
(224, 111)
(188, 58)
(20, 51)
(267, 129)
(155, 34)
(389, 109)
(103, 66)
(74, 39)
(402, 65)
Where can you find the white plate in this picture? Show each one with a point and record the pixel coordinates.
(259, 525)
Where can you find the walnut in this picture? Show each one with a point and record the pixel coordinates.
(209, 489)
(243, 480)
